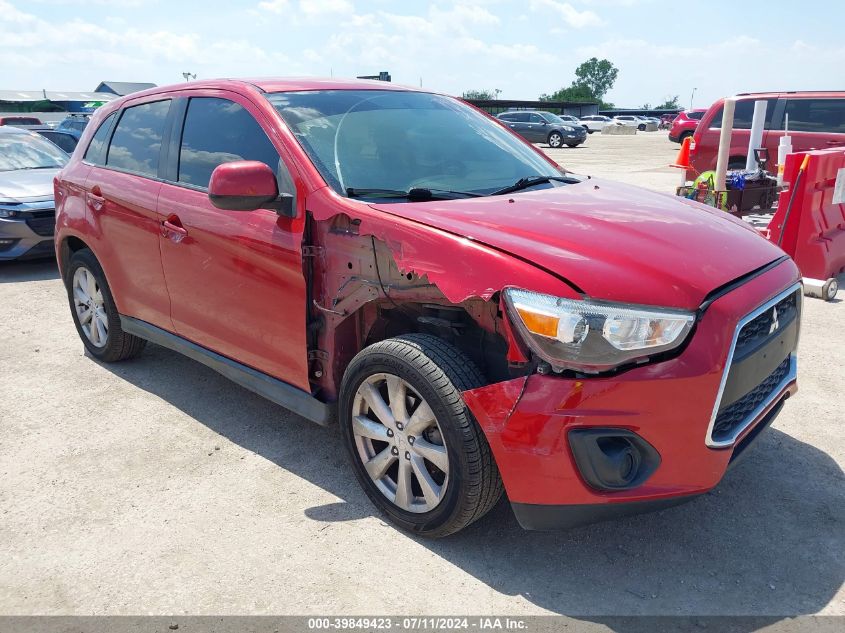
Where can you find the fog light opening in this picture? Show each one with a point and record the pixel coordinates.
(613, 459)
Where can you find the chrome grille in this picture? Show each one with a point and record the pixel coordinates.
(730, 418)
(753, 333)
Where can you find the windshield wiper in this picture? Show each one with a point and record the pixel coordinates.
(525, 183)
(417, 194)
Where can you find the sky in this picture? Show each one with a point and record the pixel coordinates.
(523, 48)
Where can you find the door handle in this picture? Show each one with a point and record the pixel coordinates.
(94, 199)
(172, 228)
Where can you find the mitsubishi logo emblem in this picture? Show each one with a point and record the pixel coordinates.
(775, 325)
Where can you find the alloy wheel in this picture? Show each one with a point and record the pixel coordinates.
(555, 140)
(89, 306)
(399, 442)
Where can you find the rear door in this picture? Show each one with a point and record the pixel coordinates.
(518, 122)
(235, 277)
(815, 123)
(122, 194)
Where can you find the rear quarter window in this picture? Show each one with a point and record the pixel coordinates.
(96, 150)
(816, 115)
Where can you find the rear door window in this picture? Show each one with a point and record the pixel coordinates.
(136, 142)
(218, 131)
(816, 115)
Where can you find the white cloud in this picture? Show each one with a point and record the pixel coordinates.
(647, 70)
(572, 16)
(44, 54)
(274, 6)
(313, 8)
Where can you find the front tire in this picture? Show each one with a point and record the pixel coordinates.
(95, 313)
(415, 447)
(555, 140)
(641, 127)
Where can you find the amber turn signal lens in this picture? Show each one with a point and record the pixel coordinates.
(536, 323)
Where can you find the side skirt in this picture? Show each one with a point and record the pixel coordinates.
(300, 402)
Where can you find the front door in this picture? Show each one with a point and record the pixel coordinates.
(235, 277)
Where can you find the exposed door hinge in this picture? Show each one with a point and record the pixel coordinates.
(317, 354)
(311, 250)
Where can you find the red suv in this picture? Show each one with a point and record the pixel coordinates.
(684, 124)
(816, 121)
(476, 318)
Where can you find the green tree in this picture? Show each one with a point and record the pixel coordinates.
(646, 106)
(593, 80)
(480, 95)
(669, 104)
(573, 93)
(597, 76)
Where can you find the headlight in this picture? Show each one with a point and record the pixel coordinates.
(568, 128)
(593, 336)
(7, 213)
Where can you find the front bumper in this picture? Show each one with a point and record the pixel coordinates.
(30, 233)
(579, 136)
(669, 404)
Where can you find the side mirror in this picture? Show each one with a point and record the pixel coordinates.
(247, 185)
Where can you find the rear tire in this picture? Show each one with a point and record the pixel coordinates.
(401, 410)
(94, 312)
(684, 135)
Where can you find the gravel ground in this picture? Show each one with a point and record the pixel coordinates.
(158, 487)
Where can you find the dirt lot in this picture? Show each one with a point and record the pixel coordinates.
(158, 487)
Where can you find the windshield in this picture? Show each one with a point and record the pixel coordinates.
(392, 140)
(553, 118)
(29, 151)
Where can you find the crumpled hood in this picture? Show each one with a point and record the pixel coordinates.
(24, 185)
(616, 242)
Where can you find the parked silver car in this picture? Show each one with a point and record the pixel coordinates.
(595, 122)
(28, 163)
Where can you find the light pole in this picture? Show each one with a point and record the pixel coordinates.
(189, 76)
(497, 91)
(692, 96)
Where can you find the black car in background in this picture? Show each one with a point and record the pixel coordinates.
(537, 126)
(65, 140)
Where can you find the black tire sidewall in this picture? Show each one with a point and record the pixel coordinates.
(381, 362)
(85, 258)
